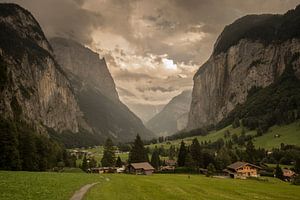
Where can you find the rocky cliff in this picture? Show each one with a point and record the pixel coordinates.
(33, 87)
(173, 116)
(96, 93)
(250, 52)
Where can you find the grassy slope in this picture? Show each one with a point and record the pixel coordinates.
(42, 185)
(289, 134)
(197, 187)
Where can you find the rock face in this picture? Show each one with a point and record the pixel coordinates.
(250, 52)
(33, 87)
(173, 116)
(96, 93)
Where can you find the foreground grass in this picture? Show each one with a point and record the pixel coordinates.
(42, 185)
(161, 187)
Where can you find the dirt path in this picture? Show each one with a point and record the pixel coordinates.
(78, 195)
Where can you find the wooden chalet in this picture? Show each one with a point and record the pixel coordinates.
(140, 168)
(242, 170)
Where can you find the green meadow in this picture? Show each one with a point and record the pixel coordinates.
(42, 185)
(61, 186)
(183, 187)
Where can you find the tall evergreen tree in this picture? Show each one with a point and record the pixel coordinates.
(181, 154)
(278, 172)
(172, 152)
(9, 154)
(109, 157)
(138, 152)
(210, 169)
(119, 162)
(196, 153)
(28, 151)
(84, 165)
(155, 160)
(189, 162)
(250, 151)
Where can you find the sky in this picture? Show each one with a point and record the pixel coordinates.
(152, 47)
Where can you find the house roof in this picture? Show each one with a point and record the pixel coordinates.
(288, 173)
(142, 165)
(239, 164)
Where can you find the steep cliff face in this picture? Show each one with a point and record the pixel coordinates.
(173, 116)
(96, 93)
(33, 87)
(250, 52)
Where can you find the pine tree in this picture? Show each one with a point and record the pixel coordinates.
(155, 160)
(210, 169)
(189, 162)
(250, 151)
(84, 165)
(181, 155)
(278, 172)
(138, 152)
(297, 165)
(119, 162)
(172, 152)
(109, 157)
(9, 156)
(28, 151)
(196, 153)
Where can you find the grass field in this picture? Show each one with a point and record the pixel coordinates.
(61, 186)
(42, 185)
(180, 187)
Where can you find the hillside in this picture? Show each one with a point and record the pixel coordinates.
(173, 116)
(95, 92)
(288, 134)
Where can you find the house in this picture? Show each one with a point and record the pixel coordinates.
(140, 168)
(288, 174)
(170, 162)
(242, 170)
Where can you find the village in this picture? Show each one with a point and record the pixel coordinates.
(235, 170)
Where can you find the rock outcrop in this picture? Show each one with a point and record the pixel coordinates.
(173, 116)
(250, 52)
(33, 86)
(96, 93)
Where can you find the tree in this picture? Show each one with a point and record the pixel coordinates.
(236, 123)
(196, 153)
(189, 162)
(172, 152)
(250, 151)
(109, 157)
(155, 160)
(9, 156)
(84, 165)
(210, 169)
(223, 159)
(297, 165)
(181, 154)
(138, 152)
(278, 172)
(119, 162)
(92, 163)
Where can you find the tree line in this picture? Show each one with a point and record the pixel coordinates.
(23, 149)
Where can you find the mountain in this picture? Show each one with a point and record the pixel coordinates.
(34, 88)
(173, 116)
(253, 52)
(95, 91)
(145, 111)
